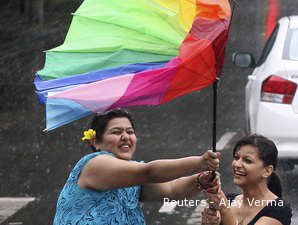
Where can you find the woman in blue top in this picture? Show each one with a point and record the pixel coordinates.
(105, 187)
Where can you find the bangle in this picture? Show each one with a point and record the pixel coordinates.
(198, 183)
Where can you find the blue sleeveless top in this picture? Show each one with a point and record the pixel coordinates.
(77, 206)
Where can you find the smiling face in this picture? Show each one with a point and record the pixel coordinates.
(119, 138)
(248, 168)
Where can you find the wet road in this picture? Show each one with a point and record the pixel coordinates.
(36, 164)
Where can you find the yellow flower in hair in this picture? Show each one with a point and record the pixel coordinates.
(89, 135)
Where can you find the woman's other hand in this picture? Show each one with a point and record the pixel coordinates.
(210, 217)
(217, 200)
(208, 181)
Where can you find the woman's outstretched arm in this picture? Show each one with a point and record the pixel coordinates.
(106, 172)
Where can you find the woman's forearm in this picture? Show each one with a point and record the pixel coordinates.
(220, 202)
(166, 170)
(107, 172)
(185, 187)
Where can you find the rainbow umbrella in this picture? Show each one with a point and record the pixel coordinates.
(134, 52)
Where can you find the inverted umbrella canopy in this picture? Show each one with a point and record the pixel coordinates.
(137, 52)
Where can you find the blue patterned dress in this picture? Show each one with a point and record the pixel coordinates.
(77, 206)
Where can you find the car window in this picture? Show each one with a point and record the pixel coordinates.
(291, 45)
(268, 46)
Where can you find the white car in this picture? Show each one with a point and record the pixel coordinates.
(272, 93)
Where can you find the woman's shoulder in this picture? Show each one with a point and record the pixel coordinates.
(279, 205)
(278, 209)
(74, 174)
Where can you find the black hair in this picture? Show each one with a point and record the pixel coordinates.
(268, 153)
(100, 122)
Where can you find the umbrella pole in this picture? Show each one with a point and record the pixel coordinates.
(214, 120)
(214, 110)
(214, 86)
(214, 106)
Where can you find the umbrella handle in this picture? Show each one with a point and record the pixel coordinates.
(213, 176)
